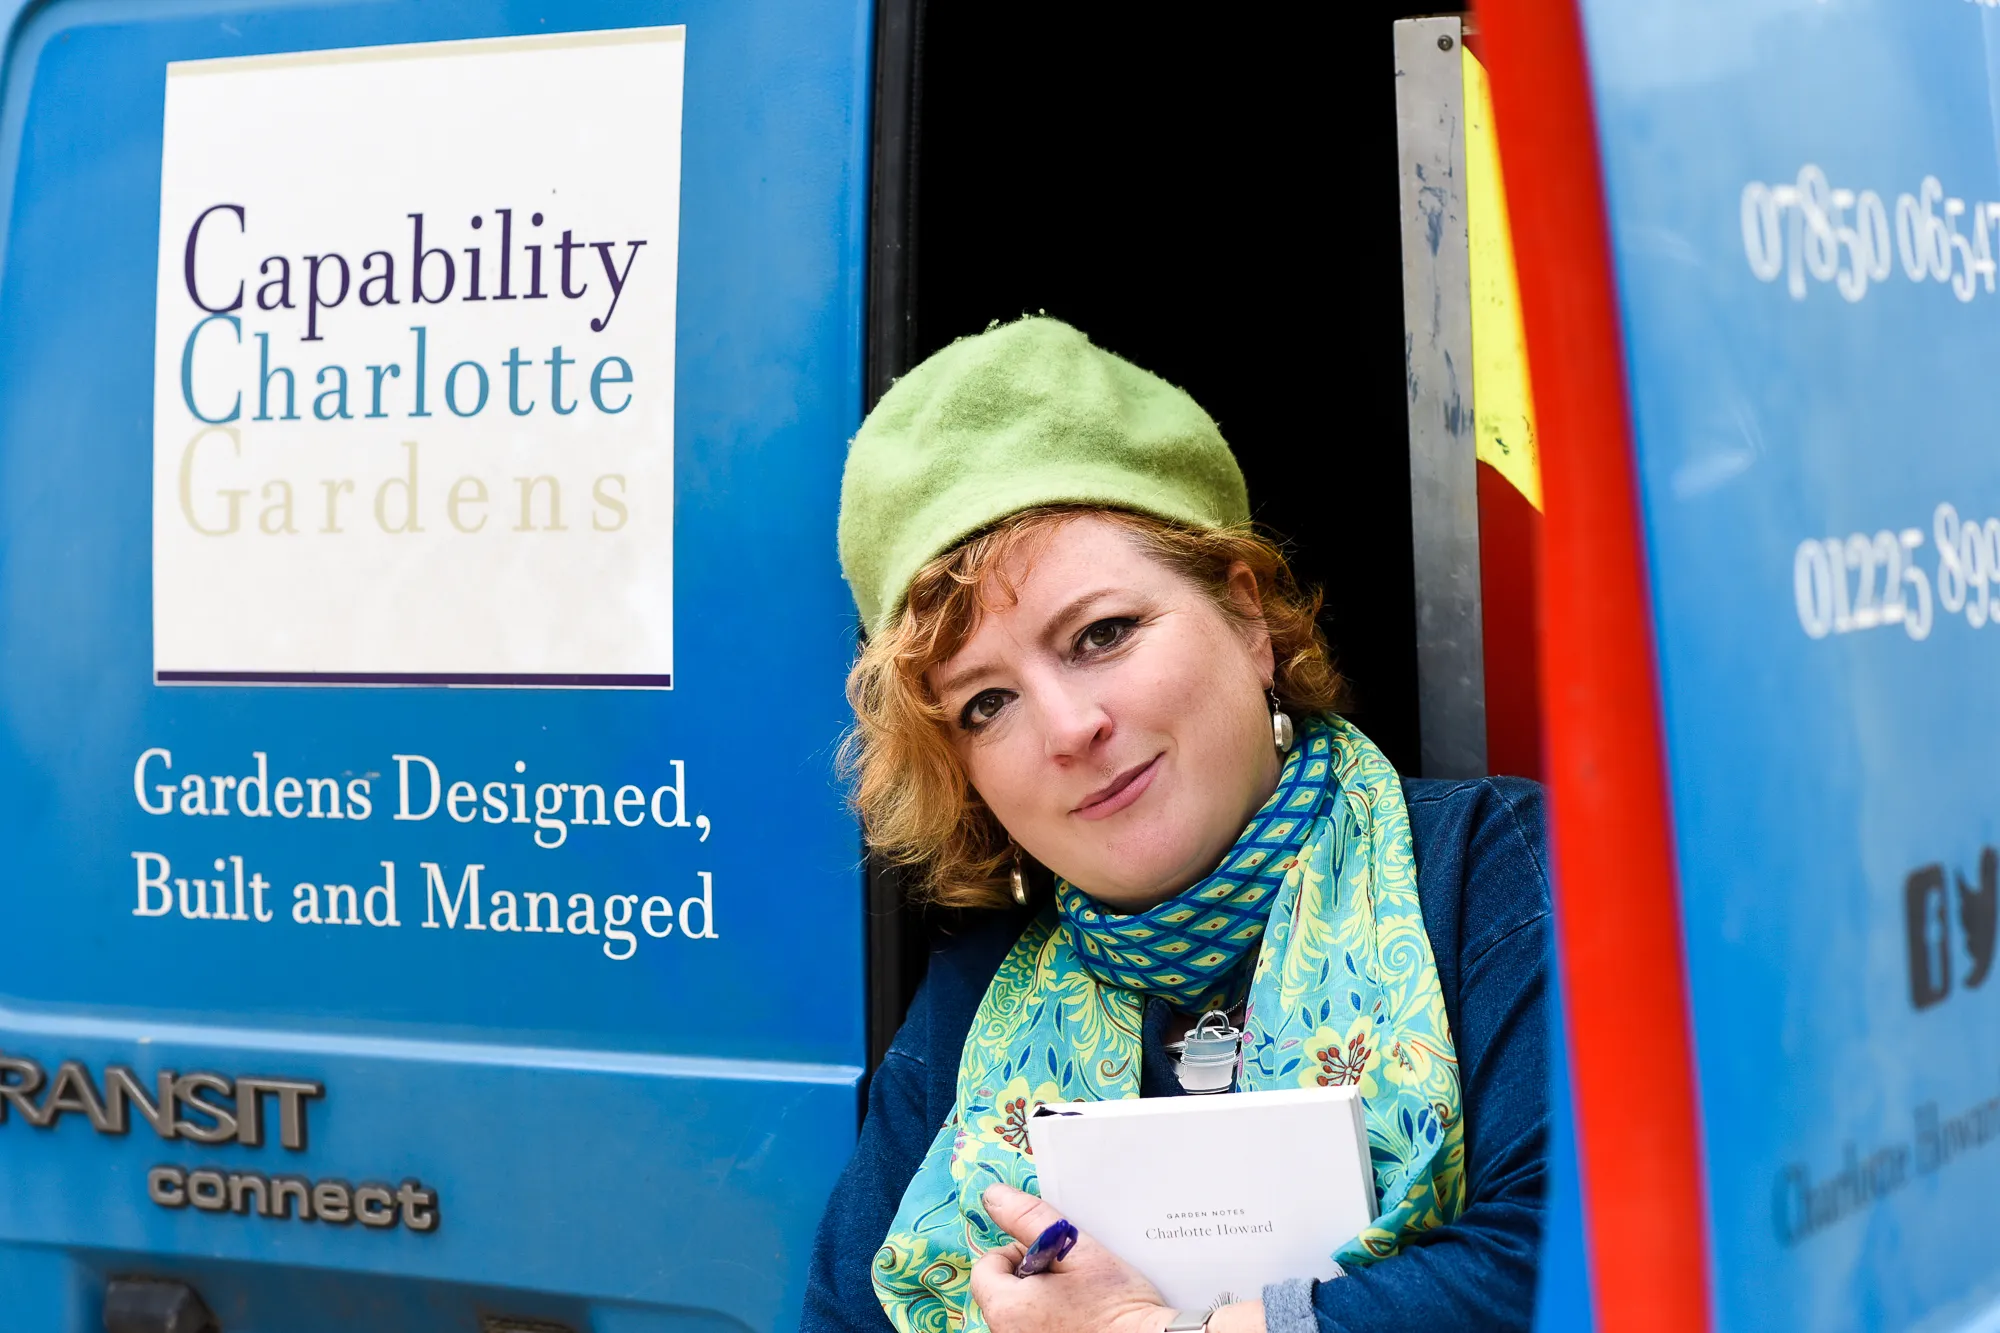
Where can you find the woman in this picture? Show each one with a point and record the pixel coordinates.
(1094, 706)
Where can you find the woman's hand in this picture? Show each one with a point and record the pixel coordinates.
(1092, 1291)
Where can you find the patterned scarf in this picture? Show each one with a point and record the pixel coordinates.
(1190, 949)
(1345, 991)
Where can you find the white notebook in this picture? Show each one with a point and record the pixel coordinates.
(1212, 1197)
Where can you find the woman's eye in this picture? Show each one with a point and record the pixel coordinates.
(1104, 634)
(982, 708)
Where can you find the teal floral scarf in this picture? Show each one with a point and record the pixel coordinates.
(1344, 991)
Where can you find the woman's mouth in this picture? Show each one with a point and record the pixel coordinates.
(1120, 792)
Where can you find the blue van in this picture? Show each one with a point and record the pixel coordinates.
(433, 902)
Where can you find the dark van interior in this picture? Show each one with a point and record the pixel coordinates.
(1212, 198)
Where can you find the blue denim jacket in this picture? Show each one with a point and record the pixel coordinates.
(1482, 877)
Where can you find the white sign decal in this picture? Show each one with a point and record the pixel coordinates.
(414, 374)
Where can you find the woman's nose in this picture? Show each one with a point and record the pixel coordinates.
(1073, 723)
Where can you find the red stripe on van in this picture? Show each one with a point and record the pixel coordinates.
(1618, 909)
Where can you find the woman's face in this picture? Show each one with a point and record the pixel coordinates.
(1111, 716)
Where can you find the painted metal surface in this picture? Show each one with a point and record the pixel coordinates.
(1510, 482)
(1437, 341)
(614, 1143)
(1493, 379)
(1799, 200)
(1623, 975)
(1799, 217)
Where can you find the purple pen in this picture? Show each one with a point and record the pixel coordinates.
(1054, 1243)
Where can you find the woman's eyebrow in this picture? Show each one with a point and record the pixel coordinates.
(1074, 610)
(1070, 612)
(960, 678)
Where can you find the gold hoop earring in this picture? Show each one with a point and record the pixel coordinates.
(1017, 883)
(1282, 734)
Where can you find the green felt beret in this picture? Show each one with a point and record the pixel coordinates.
(1025, 414)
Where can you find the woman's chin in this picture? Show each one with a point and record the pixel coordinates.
(1144, 855)
(1135, 881)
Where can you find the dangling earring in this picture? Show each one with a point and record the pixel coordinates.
(1017, 883)
(1281, 723)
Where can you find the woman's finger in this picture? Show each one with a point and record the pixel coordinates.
(993, 1272)
(1012, 1252)
(998, 1263)
(1018, 1213)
